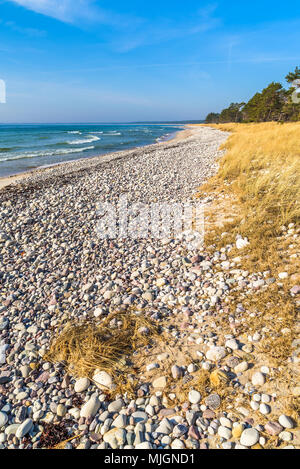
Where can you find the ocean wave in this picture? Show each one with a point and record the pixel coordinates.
(39, 154)
(93, 138)
(74, 132)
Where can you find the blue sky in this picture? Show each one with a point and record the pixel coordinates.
(104, 61)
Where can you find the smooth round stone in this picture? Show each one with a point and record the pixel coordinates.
(115, 437)
(224, 432)
(227, 445)
(286, 436)
(103, 379)
(61, 410)
(216, 353)
(11, 429)
(265, 398)
(120, 421)
(258, 379)
(144, 445)
(90, 408)
(177, 372)
(286, 421)
(179, 430)
(232, 344)
(192, 368)
(140, 416)
(3, 419)
(177, 444)
(24, 428)
(82, 385)
(115, 406)
(165, 427)
(194, 397)
(264, 409)
(225, 422)
(241, 367)
(25, 370)
(249, 437)
(160, 382)
(254, 405)
(166, 440)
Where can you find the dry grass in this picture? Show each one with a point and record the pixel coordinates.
(83, 348)
(261, 171)
(258, 187)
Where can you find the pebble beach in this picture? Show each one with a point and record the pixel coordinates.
(55, 269)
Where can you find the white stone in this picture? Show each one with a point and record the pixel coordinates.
(24, 428)
(115, 406)
(216, 353)
(91, 407)
(177, 444)
(103, 380)
(249, 437)
(286, 436)
(264, 409)
(152, 366)
(194, 397)
(225, 422)
(283, 275)
(120, 421)
(241, 367)
(254, 405)
(241, 243)
(224, 432)
(144, 445)
(82, 384)
(265, 398)
(286, 421)
(192, 368)
(232, 344)
(258, 379)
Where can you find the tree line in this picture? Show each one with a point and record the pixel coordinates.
(274, 103)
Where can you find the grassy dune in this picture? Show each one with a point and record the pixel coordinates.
(257, 191)
(261, 172)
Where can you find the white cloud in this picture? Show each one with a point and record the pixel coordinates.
(68, 11)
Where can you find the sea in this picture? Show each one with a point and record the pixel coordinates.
(26, 147)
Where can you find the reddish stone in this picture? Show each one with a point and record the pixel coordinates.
(273, 428)
(95, 437)
(295, 290)
(185, 406)
(209, 414)
(167, 412)
(193, 433)
(43, 378)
